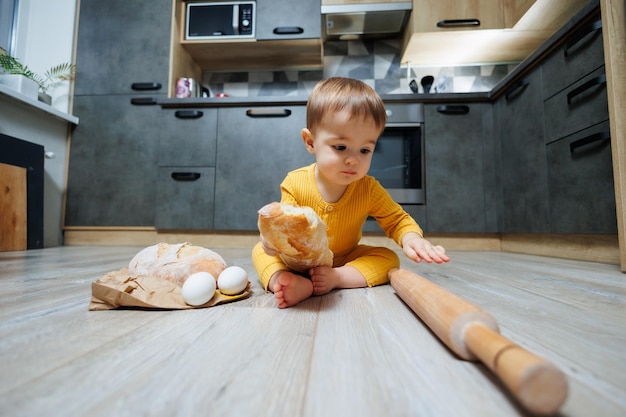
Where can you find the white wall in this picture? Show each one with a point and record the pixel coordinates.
(45, 38)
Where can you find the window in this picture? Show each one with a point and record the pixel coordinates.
(8, 18)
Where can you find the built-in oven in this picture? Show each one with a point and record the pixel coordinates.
(398, 160)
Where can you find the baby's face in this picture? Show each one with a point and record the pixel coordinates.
(343, 147)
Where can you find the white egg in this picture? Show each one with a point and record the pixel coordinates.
(233, 280)
(199, 288)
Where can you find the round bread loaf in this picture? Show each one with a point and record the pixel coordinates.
(297, 233)
(176, 262)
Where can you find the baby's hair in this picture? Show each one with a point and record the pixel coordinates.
(339, 94)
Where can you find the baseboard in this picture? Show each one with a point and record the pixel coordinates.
(595, 248)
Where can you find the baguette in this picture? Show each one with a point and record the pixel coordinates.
(297, 233)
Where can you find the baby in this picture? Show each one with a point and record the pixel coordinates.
(345, 117)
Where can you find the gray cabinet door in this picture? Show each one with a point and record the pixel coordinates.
(288, 19)
(184, 198)
(524, 175)
(112, 164)
(190, 138)
(581, 54)
(455, 167)
(577, 107)
(256, 148)
(122, 42)
(582, 194)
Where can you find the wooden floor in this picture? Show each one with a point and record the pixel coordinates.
(349, 353)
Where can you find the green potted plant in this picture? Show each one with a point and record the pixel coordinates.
(54, 76)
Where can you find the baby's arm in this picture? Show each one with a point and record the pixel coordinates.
(417, 248)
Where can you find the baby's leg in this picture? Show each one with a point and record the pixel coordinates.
(373, 263)
(289, 288)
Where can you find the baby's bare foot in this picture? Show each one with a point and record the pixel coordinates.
(290, 289)
(325, 278)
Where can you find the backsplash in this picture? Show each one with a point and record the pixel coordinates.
(376, 62)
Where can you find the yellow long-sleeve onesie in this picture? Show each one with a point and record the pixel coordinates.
(344, 221)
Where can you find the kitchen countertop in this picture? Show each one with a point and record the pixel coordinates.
(301, 100)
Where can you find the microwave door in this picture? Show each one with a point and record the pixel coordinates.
(213, 20)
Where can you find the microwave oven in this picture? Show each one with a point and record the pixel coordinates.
(217, 20)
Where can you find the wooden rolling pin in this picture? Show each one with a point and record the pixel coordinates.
(473, 334)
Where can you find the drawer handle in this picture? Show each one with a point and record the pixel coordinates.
(143, 101)
(452, 110)
(188, 114)
(589, 139)
(599, 80)
(584, 31)
(517, 89)
(452, 23)
(146, 86)
(185, 176)
(260, 113)
(288, 30)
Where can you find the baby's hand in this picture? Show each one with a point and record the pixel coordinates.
(268, 249)
(417, 248)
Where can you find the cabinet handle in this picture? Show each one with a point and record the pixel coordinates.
(188, 114)
(288, 30)
(584, 31)
(451, 23)
(260, 113)
(452, 110)
(185, 176)
(599, 80)
(143, 101)
(146, 86)
(589, 139)
(517, 89)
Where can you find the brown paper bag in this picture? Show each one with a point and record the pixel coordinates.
(120, 289)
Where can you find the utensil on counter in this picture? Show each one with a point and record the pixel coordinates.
(413, 86)
(427, 82)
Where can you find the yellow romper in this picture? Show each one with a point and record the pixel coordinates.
(344, 222)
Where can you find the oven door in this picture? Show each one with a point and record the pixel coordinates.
(398, 162)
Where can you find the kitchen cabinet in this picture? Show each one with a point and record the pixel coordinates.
(186, 171)
(113, 155)
(580, 170)
(460, 175)
(287, 19)
(123, 62)
(501, 37)
(185, 198)
(437, 15)
(582, 194)
(524, 177)
(257, 147)
(581, 54)
(120, 43)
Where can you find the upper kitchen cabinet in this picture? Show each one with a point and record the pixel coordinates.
(121, 44)
(446, 33)
(436, 15)
(287, 35)
(288, 19)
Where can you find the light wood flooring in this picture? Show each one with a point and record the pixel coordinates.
(349, 353)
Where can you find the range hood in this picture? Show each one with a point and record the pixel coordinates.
(352, 21)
